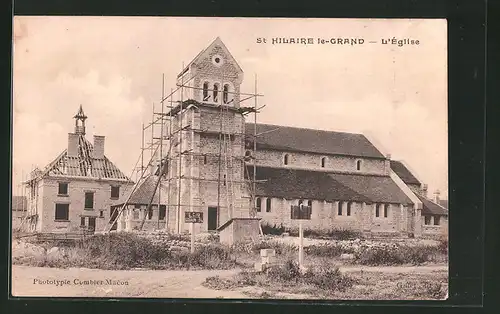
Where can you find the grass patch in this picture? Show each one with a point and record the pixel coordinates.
(323, 279)
(398, 255)
(327, 250)
(128, 250)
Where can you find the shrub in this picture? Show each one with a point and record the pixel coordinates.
(217, 283)
(290, 271)
(124, 249)
(128, 250)
(443, 246)
(273, 230)
(328, 278)
(396, 255)
(211, 257)
(245, 278)
(327, 250)
(289, 277)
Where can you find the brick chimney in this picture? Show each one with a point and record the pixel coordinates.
(436, 196)
(424, 190)
(98, 151)
(73, 144)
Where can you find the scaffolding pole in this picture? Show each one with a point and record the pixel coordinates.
(180, 157)
(161, 147)
(227, 137)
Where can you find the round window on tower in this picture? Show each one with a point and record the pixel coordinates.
(217, 60)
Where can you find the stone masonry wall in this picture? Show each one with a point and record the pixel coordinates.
(325, 215)
(298, 160)
(76, 199)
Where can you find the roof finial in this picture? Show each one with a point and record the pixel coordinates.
(80, 117)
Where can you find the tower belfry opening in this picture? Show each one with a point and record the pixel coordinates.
(198, 145)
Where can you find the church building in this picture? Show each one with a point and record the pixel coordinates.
(214, 154)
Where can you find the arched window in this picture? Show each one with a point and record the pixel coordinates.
(349, 204)
(358, 165)
(310, 204)
(285, 159)
(205, 91)
(258, 203)
(268, 205)
(225, 94)
(216, 92)
(377, 210)
(323, 162)
(386, 210)
(339, 211)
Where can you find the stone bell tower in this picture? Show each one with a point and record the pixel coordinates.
(209, 172)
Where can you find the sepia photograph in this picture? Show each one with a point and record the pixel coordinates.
(229, 158)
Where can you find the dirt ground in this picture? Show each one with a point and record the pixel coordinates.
(164, 284)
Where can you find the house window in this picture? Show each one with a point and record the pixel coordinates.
(150, 213)
(285, 159)
(101, 214)
(82, 221)
(377, 210)
(115, 192)
(225, 94)
(204, 159)
(358, 165)
(258, 203)
(216, 92)
(135, 214)
(62, 212)
(224, 180)
(427, 220)
(163, 212)
(386, 210)
(349, 204)
(89, 200)
(323, 161)
(205, 91)
(341, 204)
(436, 220)
(63, 189)
(268, 205)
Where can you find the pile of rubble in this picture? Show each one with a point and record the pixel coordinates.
(176, 242)
(23, 248)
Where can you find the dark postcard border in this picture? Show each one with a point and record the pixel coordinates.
(466, 73)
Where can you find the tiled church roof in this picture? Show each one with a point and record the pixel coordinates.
(83, 165)
(402, 171)
(314, 141)
(307, 184)
(144, 191)
(431, 208)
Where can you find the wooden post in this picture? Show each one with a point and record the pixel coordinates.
(301, 244)
(192, 237)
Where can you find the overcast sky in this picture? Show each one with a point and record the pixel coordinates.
(113, 67)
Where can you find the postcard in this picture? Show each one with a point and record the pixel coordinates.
(234, 158)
